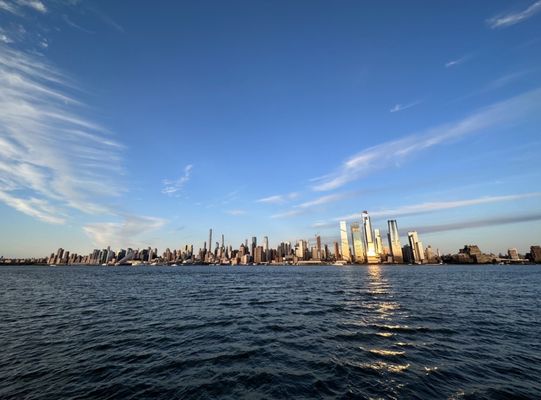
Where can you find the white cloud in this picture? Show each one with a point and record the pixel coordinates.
(512, 18)
(312, 204)
(123, 234)
(9, 7)
(34, 4)
(402, 107)
(331, 198)
(235, 212)
(14, 7)
(33, 207)
(51, 159)
(279, 198)
(454, 63)
(428, 207)
(171, 187)
(4, 38)
(389, 153)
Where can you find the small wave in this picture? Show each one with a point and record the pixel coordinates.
(385, 334)
(387, 353)
(383, 366)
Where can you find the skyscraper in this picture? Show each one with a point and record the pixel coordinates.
(336, 251)
(254, 245)
(358, 248)
(379, 243)
(372, 257)
(266, 247)
(394, 241)
(344, 244)
(300, 249)
(210, 240)
(318, 248)
(417, 248)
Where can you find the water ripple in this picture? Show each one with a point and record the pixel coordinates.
(457, 332)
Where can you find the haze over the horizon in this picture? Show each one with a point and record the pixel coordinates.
(136, 124)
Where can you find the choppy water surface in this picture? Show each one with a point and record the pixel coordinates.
(270, 332)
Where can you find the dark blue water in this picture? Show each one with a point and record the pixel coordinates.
(441, 332)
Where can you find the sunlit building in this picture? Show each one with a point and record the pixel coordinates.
(344, 244)
(358, 248)
(513, 254)
(372, 257)
(300, 249)
(318, 255)
(417, 248)
(379, 243)
(394, 241)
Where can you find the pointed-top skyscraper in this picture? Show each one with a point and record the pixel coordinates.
(372, 257)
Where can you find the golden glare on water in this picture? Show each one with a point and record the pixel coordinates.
(383, 352)
(383, 366)
(385, 310)
(385, 334)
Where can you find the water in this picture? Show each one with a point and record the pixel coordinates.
(270, 332)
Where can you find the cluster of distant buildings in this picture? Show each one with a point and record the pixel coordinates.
(368, 247)
(360, 244)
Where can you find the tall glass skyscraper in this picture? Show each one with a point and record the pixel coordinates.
(344, 244)
(357, 240)
(416, 247)
(372, 257)
(394, 242)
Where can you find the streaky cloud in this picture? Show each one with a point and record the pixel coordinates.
(51, 159)
(480, 223)
(402, 107)
(512, 18)
(236, 212)
(125, 233)
(278, 198)
(454, 63)
(173, 186)
(34, 4)
(428, 207)
(389, 153)
(312, 204)
(15, 7)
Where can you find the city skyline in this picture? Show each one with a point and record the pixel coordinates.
(128, 126)
(365, 247)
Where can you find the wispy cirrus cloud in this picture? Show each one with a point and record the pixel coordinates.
(477, 223)
(402, 107)
(279, 198)
(387, 154)
(128, 232)
(10, 7)
(428, 207)
(16, 7)
(236, 212)
(34, 4)
(38, 208)
(5, 38)
(310, 205)
(456, 62)
(52, 160)
(512, 18)
(173, 186)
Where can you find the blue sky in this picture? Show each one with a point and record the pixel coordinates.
(148, 123)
